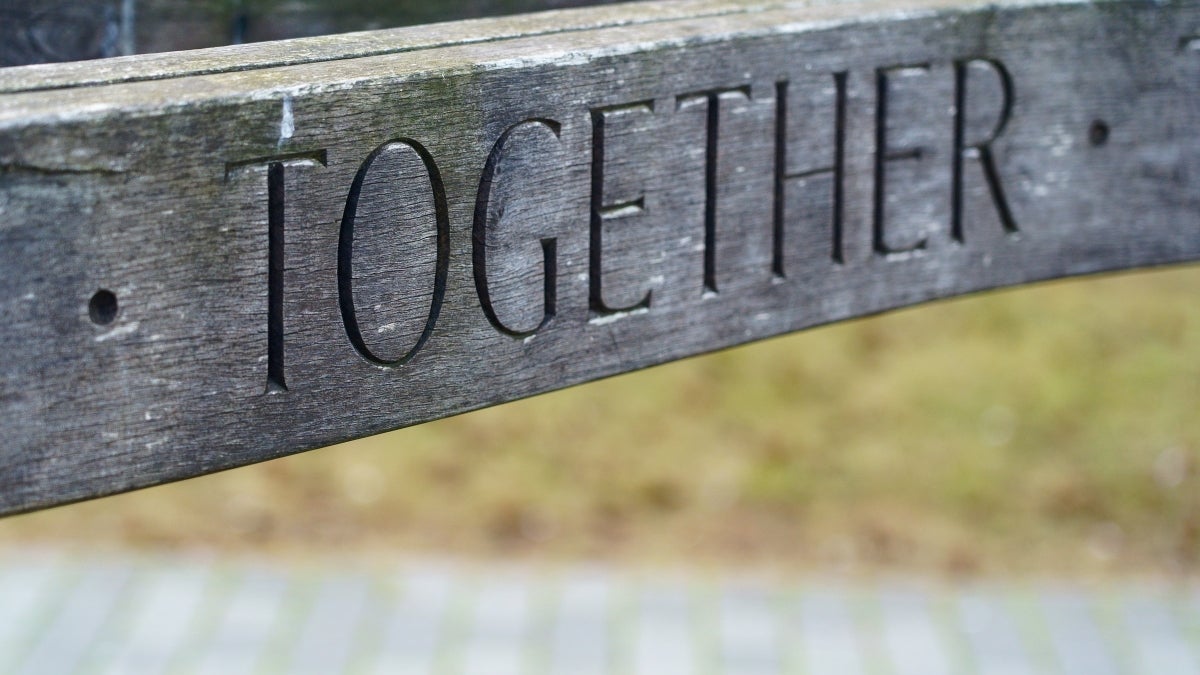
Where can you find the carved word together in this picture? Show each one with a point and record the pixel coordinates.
(815, 161)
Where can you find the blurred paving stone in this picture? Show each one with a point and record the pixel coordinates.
(412, 628)
(913, 640)
(29, 588)
(67, 615)
(1079, 644)
(496, 641)
(992, 634)
(749, 631)
(829, 639)
(245, 626)
(64, 642)
(332, 628)
(580, 642)
(665, 644)
(163, 607)
(1158, 643)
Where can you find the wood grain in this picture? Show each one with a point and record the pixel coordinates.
(217, 258)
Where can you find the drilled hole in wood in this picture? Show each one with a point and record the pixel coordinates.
(1098, 133)
(103, 307)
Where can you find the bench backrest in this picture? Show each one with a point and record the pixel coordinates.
(225, 256)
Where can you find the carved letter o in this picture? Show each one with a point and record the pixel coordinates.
(345, 272)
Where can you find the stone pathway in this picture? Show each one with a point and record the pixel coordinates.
(182, 615)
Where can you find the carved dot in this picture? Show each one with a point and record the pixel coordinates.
(103, 307)
(1098, 133)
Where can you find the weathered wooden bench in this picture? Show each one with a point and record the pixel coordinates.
(219, 257)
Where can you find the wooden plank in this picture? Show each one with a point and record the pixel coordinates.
(207, 270)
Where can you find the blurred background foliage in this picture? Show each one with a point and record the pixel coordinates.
(1045, 430)
(37, 31)
(187, 24)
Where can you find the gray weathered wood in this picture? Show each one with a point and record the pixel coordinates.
(216, 258)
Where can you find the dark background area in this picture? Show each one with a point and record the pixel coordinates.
(36, 31)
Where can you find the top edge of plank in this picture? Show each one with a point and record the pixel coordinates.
(300, 51)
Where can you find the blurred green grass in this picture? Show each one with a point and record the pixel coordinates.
(1049, 429)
